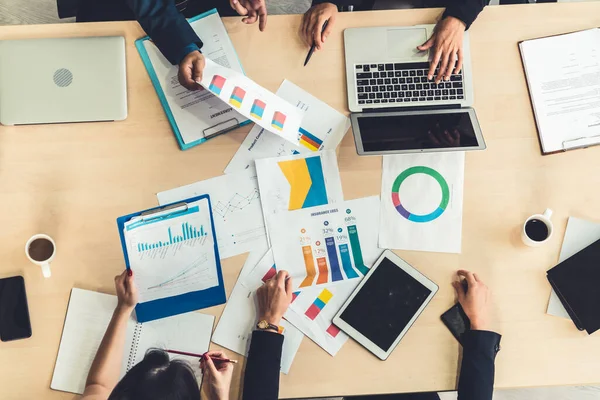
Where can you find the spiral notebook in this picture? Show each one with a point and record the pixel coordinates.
(88, 316)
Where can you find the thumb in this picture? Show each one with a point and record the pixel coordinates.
(427, 45)
(460, 291)
(208, 362)
(329, 28)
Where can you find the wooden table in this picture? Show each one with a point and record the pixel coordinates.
(72, 181)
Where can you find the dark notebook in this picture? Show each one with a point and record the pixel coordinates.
(577, 284)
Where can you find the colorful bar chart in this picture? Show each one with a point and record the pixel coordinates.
(310, 266)
(188, 232)
(309, 140)
(347, 262)
(323, 271)
(237, 97)
(356, 250)
(270, 273)
(216, 84)
(258, 108)
(336, 273)
(317, 306)
(278, 120)
(333, 330)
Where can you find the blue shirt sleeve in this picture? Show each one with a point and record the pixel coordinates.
(166, 26)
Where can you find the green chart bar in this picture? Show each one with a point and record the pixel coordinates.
(356, 250)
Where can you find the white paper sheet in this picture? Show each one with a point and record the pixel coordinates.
(198, 113)
(326, 124)
(314, 322)
(300, 181)
(239, 319)
(236, 209)
(253, 101)
(174, 254)
(563, 73)
(422, 201)
(580, 234)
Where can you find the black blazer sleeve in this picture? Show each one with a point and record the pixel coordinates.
(261, 380)
(465, 10)
(476, 380)
(166, 26)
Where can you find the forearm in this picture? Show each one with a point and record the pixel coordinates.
(166, 26)
(261, 379)
(106, 368)
(477, 371)
(465, 10)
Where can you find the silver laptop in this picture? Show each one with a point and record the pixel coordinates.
(395, 108)
(62, 80)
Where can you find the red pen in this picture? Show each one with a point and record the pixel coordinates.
(183, 353)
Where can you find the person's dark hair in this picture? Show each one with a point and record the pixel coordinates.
(157, 377)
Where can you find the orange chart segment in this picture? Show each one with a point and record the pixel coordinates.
(323, 270)
(310, 267)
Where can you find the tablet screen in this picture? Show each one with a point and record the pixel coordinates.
(417, 131)
(385, 304)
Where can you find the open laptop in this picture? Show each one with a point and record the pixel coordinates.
(395, 108)
(62, 80)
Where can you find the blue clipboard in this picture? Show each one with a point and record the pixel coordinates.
(139, 44)
(183, 303)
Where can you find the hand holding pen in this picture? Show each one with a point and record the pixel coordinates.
(316, 26)
(217, 374)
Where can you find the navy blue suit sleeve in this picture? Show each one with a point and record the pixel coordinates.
(166, 26)
(476, 380)
(261, 379)
(465, 10)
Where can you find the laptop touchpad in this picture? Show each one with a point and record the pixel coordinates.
(402, 44)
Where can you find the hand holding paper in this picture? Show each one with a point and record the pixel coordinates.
(253, 101)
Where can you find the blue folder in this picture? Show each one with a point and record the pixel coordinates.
(183, 303)
(139, 44)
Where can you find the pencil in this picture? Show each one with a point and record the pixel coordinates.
(183, 353)
(312, 48)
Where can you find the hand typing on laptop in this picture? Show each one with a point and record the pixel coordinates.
(447, 44)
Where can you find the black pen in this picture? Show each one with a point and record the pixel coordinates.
(312, 48)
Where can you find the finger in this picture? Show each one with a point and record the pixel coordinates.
(310, 27)
(185, 77)
(427, 45)
(262, 19)
(460, 291)
(251, 18)
(476, 277)
(437, 54)
(468, 276)
(443, 65)
(281, 276)
(198, 69)
(456, 134)
(329, 28)
(303, 27)
(433, 138)
(288, 285)
(239, 8)
(210, 365)
(450, 67)
(317, 37)
(215, 353)
(459, 62)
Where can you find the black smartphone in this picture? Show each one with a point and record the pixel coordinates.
(457, 321)
(14, 312)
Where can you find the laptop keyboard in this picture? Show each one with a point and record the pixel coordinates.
(403, 83)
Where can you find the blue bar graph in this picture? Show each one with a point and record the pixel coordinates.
(346, 262)
(336, 273)
(188, 232)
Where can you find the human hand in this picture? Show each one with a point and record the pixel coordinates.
(444, 137)
(447, 41)
(217, 375)
(474, 299)
(253, 10)
(127, 293)
(190, 70)
(312, 24)
(274, 298)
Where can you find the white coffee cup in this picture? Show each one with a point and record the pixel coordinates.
(40, 249)
(533, 234)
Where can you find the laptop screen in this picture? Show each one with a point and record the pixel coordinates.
(417, 131)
